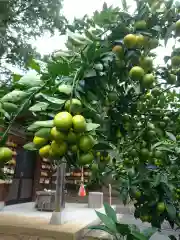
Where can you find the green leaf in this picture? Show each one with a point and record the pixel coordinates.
(30, 80)
(91, 126)
(59, 68)
(123, 229)
(66, 89)
(148, 232)
(44, 133)
(138, 235)
(102, 145)
(41, 106)
(110, 212)
(156, 145)
(171, 211)
(39, 124)
(5, 113)
(34, 65)
(101, 228)
(33, 89)
(157, 180)
(14, 96)
(30, 146)
(171, 136)
(16, 77)
(53, 99)
(108, 222)
(62, 53)
(9, 107)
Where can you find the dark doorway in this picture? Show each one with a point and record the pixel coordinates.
(21, 188)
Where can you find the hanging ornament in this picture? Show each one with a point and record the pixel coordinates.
(82, 191)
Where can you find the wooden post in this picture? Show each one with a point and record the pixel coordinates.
(110, 197)
(58, 192)
(56, 218)
(59, 198)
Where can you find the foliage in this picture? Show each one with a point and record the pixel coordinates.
(20, 21)
(118, 230)
(110, 67)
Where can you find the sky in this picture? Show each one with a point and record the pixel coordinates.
(78, 8)
(71, 9)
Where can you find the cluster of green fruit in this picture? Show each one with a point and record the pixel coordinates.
(146, 213)
(175, 59)
(143, 71)
(103, 156)
(177, 194)
(101, 159)
(67, 135)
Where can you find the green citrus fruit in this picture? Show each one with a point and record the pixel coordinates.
(130, 40)
(155, 92)
(158, 154)
(63, 121)
(140, 25)
(112, 96)
(146, 63)
(44, 151)
(39, 142)
(118, 133)
(66, 89)
(85, 143)
(137, 194)
(157, 162)
(118, 50)
(5, 154)
(74, 148)
(71, 137)
(145, 152)
(171, 79)
(144, 218)
(107, 158)
(76, 106)
(98, 154)
(136, 73)
(148, 80)
(134, 153)
(166, 119)
(161, 207)
(94, 167)
(86, 158)
(162, 124)
(58, 149)
(151, 133)
(79, 123)
(175, 61)
(57, 135)
(153, 43)
(131, 173)
(177, 27)
(140, 41)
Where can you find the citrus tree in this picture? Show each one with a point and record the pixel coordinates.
(107, 98)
